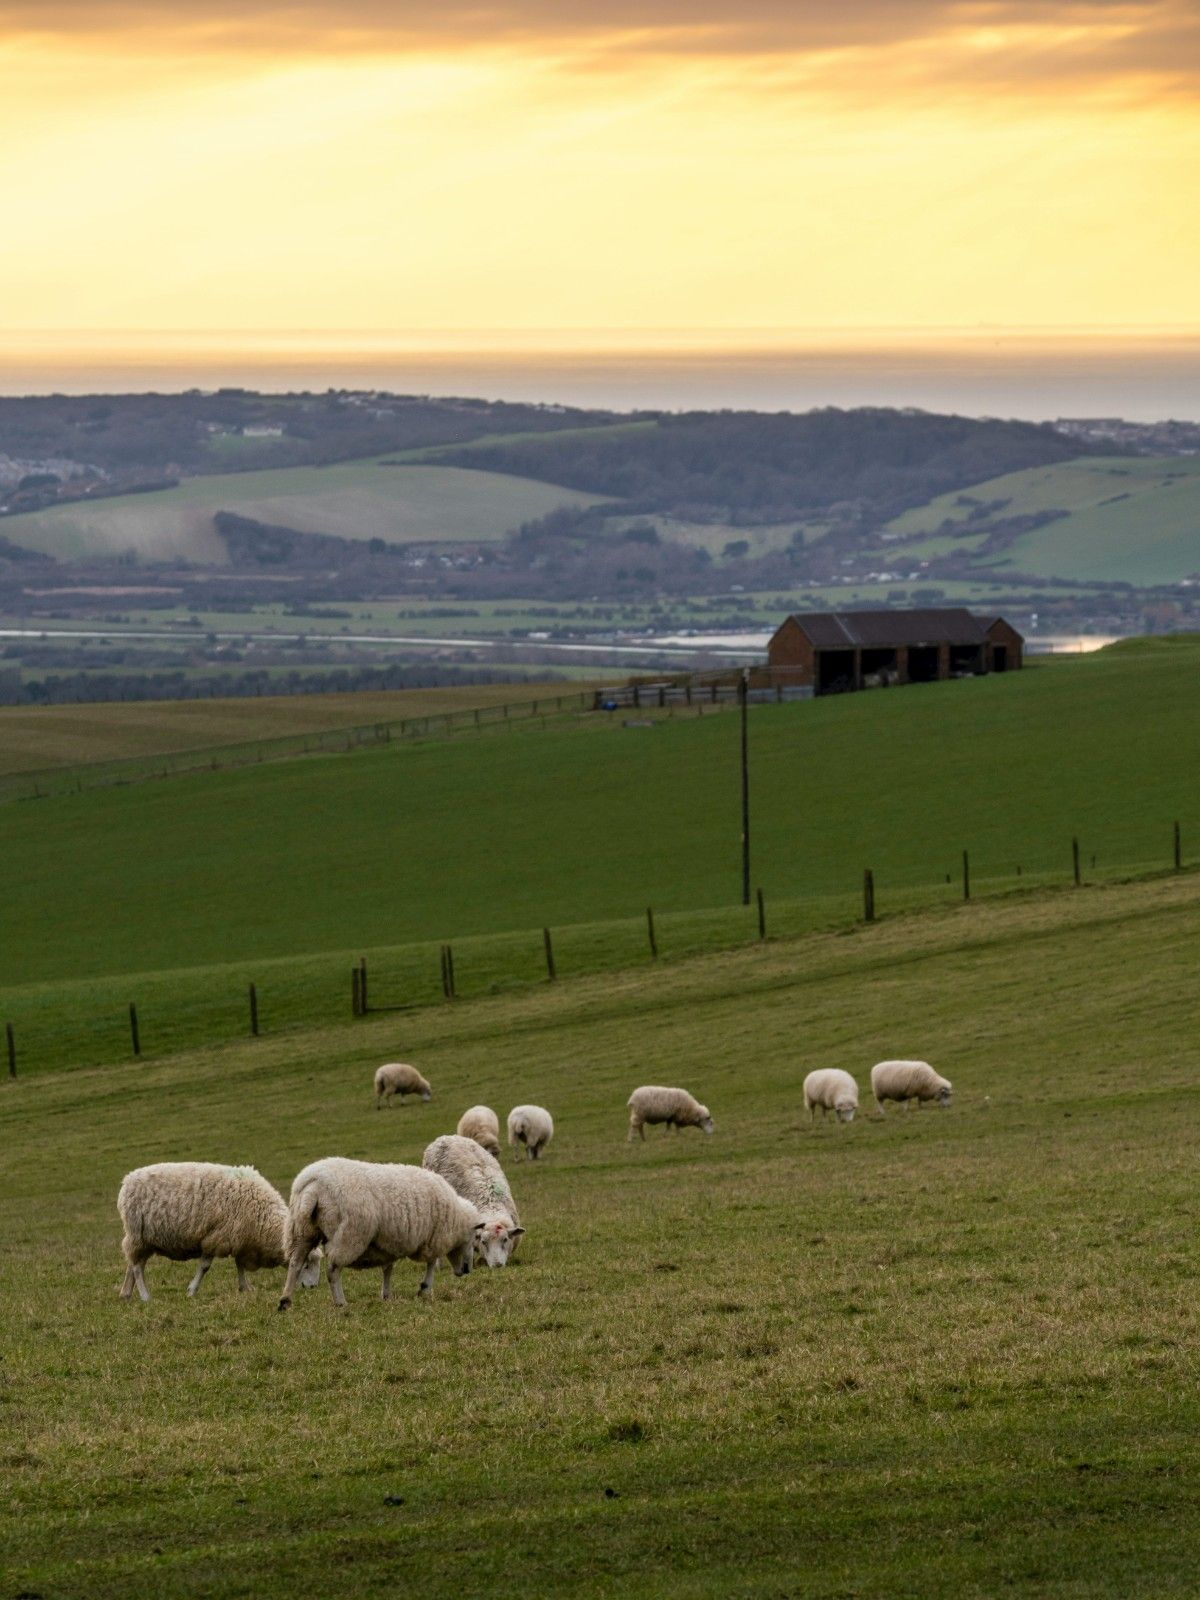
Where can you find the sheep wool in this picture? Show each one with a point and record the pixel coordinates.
(908, 1081)
(478, 1177)
(832, 1090)
(398, 1078)
(189, 1209)
(531, 1126)
(373, 1214)
(483, 1125)
(676, 1107)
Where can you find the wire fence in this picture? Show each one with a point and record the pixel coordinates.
(58, 1026)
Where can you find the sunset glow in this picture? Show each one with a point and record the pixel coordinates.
(367, 166)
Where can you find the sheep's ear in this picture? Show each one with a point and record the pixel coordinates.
(479, 1227)
(513, 1232)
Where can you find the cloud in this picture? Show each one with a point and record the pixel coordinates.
(1002, 44)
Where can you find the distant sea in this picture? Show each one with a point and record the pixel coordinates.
(1141, 378)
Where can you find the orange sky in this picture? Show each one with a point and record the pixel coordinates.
(534, 165)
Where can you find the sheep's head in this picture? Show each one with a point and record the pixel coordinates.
(945, 1094)
(310, 1272)
(461, 1255)
(845, 1110)
(497, 1242)
(426, 1094)
(706, 1121)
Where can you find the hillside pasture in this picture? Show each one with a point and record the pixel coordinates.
(1130, 519)
(401, 504)
(942, 1354)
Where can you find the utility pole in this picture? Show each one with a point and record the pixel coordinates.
(744, 697)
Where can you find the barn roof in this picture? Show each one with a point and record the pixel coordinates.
(847, 630)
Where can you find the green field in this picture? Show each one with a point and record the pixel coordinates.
(939, 1355)
(1132, 519)
(354, 500)
(594, 820)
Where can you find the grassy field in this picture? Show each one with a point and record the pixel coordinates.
(943, 1354)
(596, 820)
(1134, 520)
(36, 738)
(354, 499)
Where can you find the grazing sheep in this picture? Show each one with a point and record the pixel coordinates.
(676, 1107)
(483, 1125)
(398, 1078)
(373, 1214)
(532, 1126)
(907, 1081)
(185, 1209)
(477, 1176)
(832, 1090)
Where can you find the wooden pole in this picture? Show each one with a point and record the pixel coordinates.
(254, 1011)
(650, 929)
(1178, 850)
(744, 695)
(450, 969)
(12, 1049)
(868, 896)
(550, 972)
(762, 917)
(445, 976)
(362, 985)
(133, 1029)
(1075, 861)
(966, 876)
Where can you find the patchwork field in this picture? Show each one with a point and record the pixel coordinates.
(401, 504)
(1132, 519)
(942, 1354)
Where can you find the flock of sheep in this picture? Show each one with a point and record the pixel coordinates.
(457, 1204)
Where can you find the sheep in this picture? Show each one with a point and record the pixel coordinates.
(373, 1214)
(398, 1078)
(477, 1176)
(676, 1107)
(531, 1126)
(185, 1209)
(907, 1081)
(832, 1090)
(483, 1125)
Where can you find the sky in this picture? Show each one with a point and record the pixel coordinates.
(630, 167)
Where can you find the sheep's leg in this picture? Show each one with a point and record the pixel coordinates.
(205, 1263)
(243, 1280)
(334, 1274)
(633, 1128)
(386, 1292)
(127, 1285)
(139, 1277)
(426, 1285)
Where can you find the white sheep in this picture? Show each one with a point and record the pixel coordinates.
(676, 1107)
(373, 1214)
(908, 1081)
(476, 1175)
(832, 1090)
(398, 1078)
(531, 1126)
(185, 1209)
(483, 1125)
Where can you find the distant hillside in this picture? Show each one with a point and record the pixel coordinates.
(867, 463)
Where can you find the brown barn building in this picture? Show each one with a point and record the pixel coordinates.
(829, 651)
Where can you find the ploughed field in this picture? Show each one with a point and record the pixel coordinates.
(942, 1354)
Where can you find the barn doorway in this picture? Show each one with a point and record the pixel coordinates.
(922, 663)
(835, 671)
(999, 658)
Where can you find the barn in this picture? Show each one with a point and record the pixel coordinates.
(832, 651)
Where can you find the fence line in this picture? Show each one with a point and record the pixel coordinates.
(175, 1021)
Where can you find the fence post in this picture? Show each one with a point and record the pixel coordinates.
(550, 972)
(445, 976)
(12, 1049)
(362, 985)
(1178, 850)
(133, 1029)
(1075, 860)
(355, 992)
(450, 969)
(868, 895)
(762, 917)
(966, 876)
(650, 930)
(254, 1011)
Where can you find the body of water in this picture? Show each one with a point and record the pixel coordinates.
(1003, 375)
